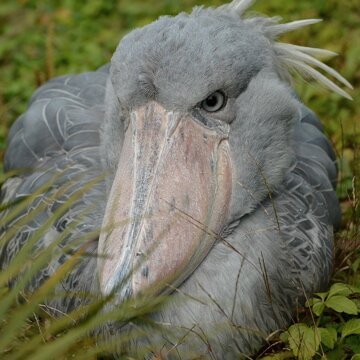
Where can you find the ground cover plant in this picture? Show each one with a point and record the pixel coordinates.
(43, 39)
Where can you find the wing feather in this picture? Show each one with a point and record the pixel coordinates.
(58, 138)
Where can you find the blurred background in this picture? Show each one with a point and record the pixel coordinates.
(42, 39)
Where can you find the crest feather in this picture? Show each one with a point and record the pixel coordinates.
(287, 52)
(237, 6)
(321, 53)
(307, 71)
(302, 59)
(278, 29)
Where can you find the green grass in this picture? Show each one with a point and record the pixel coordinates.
(43, 39)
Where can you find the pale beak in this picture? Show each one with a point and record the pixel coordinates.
(169, 200)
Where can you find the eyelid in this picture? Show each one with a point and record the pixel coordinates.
(225, 98)
(226, 114)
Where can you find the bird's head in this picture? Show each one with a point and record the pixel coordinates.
(198, 131)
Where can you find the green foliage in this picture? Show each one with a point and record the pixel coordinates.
(336, 299)
(334, 329)
(303, 341)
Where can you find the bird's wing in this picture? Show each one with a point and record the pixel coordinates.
(55, 147)
(307, 206)
(316, 161)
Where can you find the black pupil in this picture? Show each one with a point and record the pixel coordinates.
(212, 101)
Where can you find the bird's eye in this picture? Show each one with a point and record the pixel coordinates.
(215, 102)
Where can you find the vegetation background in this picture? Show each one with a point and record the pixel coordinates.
(42, 39)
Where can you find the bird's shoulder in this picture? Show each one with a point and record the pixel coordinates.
(64, 114)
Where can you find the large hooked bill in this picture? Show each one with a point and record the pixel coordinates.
(170, 197)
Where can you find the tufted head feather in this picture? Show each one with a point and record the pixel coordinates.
(299, 59)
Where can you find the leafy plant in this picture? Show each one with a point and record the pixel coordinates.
(335, 331)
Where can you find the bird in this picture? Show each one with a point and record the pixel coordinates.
(204, 176)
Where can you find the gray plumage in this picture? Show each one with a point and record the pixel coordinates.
(274, 249)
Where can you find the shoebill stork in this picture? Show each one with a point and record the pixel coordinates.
(216, 180)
